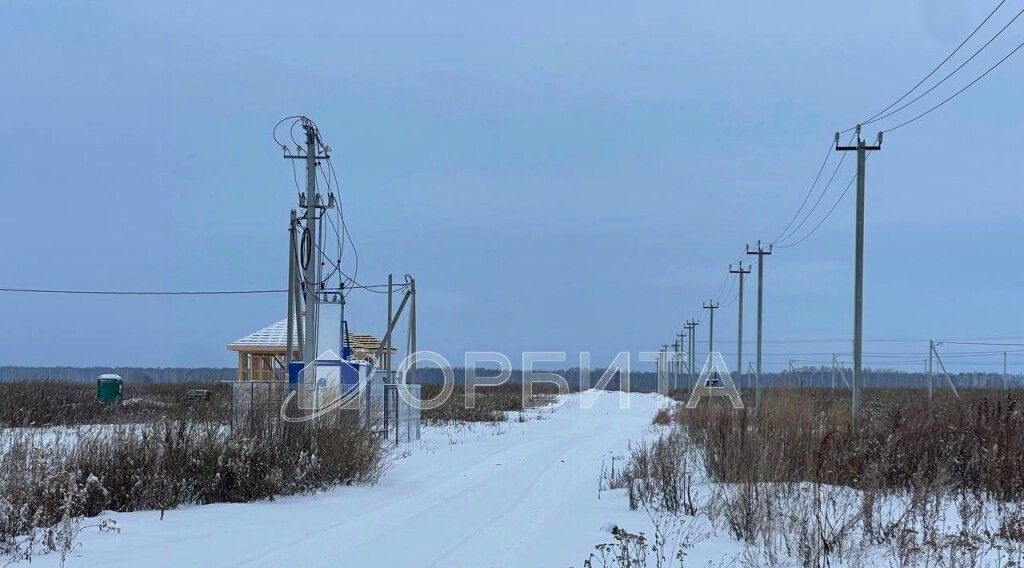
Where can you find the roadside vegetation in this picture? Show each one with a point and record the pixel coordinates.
(53, 403)
(491, 403)
(916, 483)
(66, 458)
(81, 459)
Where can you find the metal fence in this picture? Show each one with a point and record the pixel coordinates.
(380, 407)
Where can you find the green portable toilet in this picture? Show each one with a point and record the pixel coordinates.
(108, 388)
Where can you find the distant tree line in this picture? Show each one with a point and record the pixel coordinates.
(805, 377)
(808, 377)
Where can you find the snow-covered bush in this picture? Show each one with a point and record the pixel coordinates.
(49, 480)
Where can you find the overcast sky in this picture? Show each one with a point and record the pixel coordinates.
(557, 175)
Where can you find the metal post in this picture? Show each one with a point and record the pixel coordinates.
(858, 294)
(739, 340)
(760, 252)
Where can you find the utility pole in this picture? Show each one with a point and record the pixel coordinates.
(680, 356)
(1006, 379)
(760, 252)
(711, 307)
(945, 373)
(311, 260)
(691, 327)
(308, 255)
(862, 150)
(674, 364)
(739, 340)
(292, 300)
(931, 348)
(391, 315)
(663, 368)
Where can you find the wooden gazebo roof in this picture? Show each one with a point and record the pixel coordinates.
(273, 339)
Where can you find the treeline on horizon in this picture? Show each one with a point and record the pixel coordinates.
(807, 377)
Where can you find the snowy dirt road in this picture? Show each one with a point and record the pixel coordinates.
(513, 494)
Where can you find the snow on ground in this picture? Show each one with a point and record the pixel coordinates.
(511, 494)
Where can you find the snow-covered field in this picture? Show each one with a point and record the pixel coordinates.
(511, 494)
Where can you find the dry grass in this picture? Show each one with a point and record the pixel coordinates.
(51, 403)
(916, 483)
(51, 478)
(490, 405)
(904, 440)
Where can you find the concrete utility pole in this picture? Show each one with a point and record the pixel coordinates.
(292, 299)
(711, 307)
(862, 150)
(308, 256)
(691, 327)
(412, 330)
(739, 340)
(391, 315)
(945, 373)
(931, 348)
(760, 252)
(680, 360)
(674, 365)
(311, 258)
(1006, 378)
(663, 366)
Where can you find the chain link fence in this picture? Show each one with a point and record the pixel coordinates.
(379, 405)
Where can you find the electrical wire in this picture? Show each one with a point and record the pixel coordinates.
(817, 202)
(807, 196)
(140, 292)
(956, 94)
(368, 287)
(825, 218)
(937, 67)
(273, 132)
(981, 343)
(951, 73)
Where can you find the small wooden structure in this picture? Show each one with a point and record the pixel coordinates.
(261, 354)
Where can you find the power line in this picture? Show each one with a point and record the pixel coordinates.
(936, 68)
(981, 343)
(140, 292)
(951, 73)
(807, 196)
(825, 218)
(954, 95)
(368, 287)
(817, 202)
